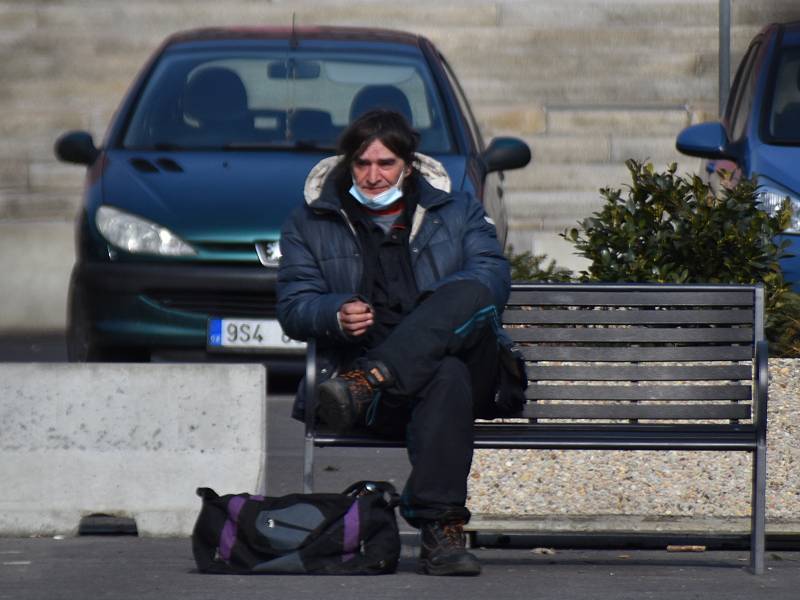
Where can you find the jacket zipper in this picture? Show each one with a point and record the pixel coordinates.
(360, 250)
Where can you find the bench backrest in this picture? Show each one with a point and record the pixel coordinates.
(636, 352)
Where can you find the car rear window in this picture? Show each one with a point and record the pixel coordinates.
(784, 115)
(302, 100)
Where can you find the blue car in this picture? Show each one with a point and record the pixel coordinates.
(759, 135)
(177, 240)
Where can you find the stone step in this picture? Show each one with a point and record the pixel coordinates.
(586, 12)
(572, 178)
(568, 40)
(555, 149)
(552, 211)
(600, 66)
(83, 65)
(664, 13)
(33, 129)
(578, 177)
(49, 205)
(557, 209)
(660, 150)
(619, 90)
(563, 51)
(593, 148)
(158, 16)
(616, 120)
(53, 175)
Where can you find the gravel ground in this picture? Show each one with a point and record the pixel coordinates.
(553, 484)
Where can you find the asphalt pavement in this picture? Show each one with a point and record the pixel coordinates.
(129, 567)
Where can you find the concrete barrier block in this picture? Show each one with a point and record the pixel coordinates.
(131, 440)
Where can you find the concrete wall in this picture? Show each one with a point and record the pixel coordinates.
(36, 258)
(587, 83)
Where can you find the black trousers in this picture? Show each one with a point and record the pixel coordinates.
(444, 356)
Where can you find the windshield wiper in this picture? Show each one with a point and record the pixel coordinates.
(167, 146)
(312, 145)
(296, 145)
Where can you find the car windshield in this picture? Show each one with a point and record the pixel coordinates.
(239, 100)
(784, 116)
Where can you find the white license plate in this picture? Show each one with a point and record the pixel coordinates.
(250, 334)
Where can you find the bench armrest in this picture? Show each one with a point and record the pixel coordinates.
(310, 385)
(761, 387)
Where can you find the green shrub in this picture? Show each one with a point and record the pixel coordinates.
(783, 326)
(676, 229)
(529, 267)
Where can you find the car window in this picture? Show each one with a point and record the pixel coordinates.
(743, 94)
(784, 114)
(260, 99)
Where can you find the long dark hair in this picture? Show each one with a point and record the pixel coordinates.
(388, 126)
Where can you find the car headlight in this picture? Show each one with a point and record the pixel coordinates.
(139, 236)
(772, 198)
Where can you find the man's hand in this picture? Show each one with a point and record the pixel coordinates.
(356, 317)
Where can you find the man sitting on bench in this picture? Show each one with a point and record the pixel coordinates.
(402, 285)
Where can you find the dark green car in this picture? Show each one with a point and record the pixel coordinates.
(207, 155)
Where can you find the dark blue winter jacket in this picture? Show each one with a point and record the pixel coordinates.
(320, 267)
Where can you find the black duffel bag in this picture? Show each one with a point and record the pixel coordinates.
(354, 532)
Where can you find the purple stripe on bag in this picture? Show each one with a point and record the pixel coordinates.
(352, 525)
(228, 536)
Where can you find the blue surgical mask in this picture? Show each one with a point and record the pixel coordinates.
(382, 200)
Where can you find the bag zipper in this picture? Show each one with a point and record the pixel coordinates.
(273, 523)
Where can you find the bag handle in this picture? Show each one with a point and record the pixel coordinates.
(384, 488)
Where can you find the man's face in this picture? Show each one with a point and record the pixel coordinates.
(377, 169)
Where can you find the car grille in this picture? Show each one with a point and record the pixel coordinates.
(218, 304)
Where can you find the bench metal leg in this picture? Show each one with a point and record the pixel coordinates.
(758, 510)
(308, 465)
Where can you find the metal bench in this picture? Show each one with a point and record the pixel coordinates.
(627, 367)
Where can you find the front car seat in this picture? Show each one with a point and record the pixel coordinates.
(216, 99)
(380, 96)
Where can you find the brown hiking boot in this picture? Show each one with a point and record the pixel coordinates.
(444, 550)
(345, 399)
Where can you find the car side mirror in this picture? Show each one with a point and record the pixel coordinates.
(706, 140)
(76, 147)
(506, 153)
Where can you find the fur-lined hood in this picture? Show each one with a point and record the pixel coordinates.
(430, 168)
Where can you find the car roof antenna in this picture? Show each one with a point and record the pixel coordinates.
(294, 40)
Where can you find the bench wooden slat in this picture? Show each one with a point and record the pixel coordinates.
(630, 297)
(638, 392)
(638, 372)
(631, 334)
(556, 316)
(637, 411)
(637, 353)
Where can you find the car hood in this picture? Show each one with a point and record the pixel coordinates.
(207, 196)
(778, 163)
(218, 197)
